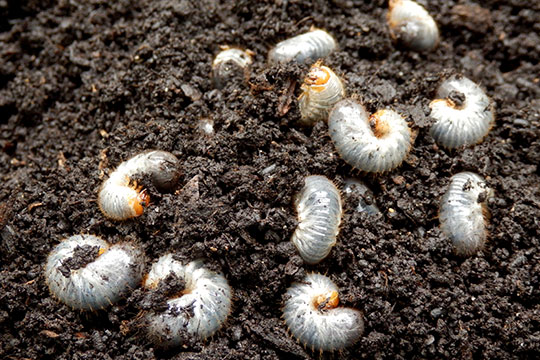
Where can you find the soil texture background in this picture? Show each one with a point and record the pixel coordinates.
(84, 85)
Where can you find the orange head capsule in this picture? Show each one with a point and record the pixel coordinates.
(379, 126)
(317, 76)
(102, 250)
(321, 89)
(139, 202)
(328, 300)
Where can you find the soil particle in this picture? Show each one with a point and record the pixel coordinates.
(87, 85)
(82, 256)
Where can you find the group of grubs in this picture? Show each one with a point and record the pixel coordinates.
(87, 273)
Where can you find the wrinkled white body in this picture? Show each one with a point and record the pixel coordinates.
(237, 56)
(225, 63)
(316, 101)
(199, 313)
(352, 186)
(355, 141)
(318, 206)
(468, 125)
(411, 24)
(116, 194)
(101, 282)
(324, 330)
(461, 215)
(303, 48)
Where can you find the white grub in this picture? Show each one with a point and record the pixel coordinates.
(321, 90)
(227, 64)
(120, 198)
(319, 210)
(206, 126)
(194, 314)
(463, 113)
(312, 315)
(305, 48)
(411, 25)
(87, 273)
(375, 143)
(462, 213)
(354, 186)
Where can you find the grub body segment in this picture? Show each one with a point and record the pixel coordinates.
(319, 210)
(303, 48)
(120, 198)
(463, 113)
(87, 273)
(375, 143)
(313, 318)
(462, 213)
(321, 90)
(194, 314)
(411, 25)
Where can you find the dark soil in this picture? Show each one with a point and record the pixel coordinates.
(85, 85)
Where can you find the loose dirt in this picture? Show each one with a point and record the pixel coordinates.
(85, 85)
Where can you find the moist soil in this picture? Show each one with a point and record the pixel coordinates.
(84, 85)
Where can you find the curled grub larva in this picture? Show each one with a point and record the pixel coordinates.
(375, 143)
(312, 315)
(411, 25)
(462, 212)
(463, 113)
(304, 48)
(87, 273)
(321, 90)
(367, 198)
(318, 206)
(120, 198)
(206, 126)
(197, 311)
(227, 64)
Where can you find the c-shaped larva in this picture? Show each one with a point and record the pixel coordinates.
(352, 186)
(227, 63)
(312, 315)
(87, 273)
(463, 113)
(321, 90)
(462, 212)
(197, 312)
(120, 198)
(318, 206)
(375, 143)
(304, 48)
(412, 25)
